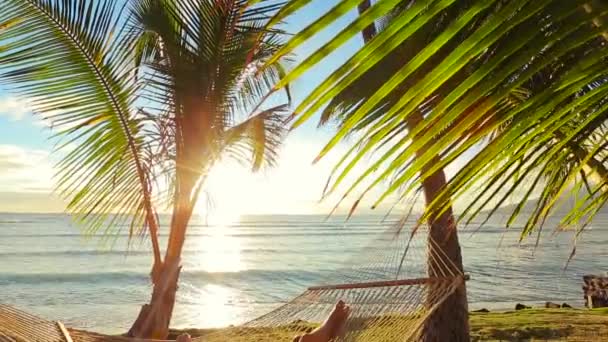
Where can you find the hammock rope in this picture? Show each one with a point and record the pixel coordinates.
(392, 287)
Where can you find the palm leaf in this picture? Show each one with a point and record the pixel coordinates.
(206, 66)
(258, 137)
(72, 61)
(463, 66)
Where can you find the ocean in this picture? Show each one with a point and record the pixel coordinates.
(235, 272)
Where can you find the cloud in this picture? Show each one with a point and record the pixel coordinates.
(26, 181)
(14, 108)
(24, 170)
(26, 202)
(18, 108)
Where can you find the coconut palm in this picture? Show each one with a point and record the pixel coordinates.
(442, 227)
(520, 83)
(145, 98)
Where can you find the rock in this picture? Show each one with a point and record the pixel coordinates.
(484, 310)
(551, 305)
(595, 291)
(520, 306)
(566, 306)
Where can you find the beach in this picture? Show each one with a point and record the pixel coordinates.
(236, 271)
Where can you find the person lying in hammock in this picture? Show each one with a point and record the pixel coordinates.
(332, 328)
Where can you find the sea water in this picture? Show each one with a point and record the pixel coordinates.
(235, 272)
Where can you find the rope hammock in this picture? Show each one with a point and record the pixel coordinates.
(392, 287)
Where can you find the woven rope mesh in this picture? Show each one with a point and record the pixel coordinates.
(19, 326)
(387, 287)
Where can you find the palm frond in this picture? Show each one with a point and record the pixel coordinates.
(207, 72)
(259, 137)
(519, 81)
(74, 64)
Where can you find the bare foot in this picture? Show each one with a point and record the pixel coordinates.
(184, 338)
(331, 328)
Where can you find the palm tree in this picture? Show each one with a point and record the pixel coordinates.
(153, 94)
(445, 78)
(442, 227)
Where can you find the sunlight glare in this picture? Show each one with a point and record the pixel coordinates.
(221, 203)
(214, 305)
(220, 252)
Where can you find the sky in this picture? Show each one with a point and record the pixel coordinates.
(294, 186)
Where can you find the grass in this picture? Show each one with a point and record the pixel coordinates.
(541, 324)
(523, 325)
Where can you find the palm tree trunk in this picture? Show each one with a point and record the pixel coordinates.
(154, 318)
(450, 320)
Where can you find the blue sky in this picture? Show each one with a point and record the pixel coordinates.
(18, 125)
(294, 187)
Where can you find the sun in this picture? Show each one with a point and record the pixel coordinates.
(221, 217)
(222, 201)
(293, 186)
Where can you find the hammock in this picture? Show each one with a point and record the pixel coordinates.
(392, 287)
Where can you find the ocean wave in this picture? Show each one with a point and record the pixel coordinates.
(286, 224)
(78, 253)
(250, 276)
(211, 235)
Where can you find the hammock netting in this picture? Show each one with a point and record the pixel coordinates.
(392, 287)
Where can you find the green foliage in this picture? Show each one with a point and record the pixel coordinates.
(145, 95)
(518, 84)
(66, 60)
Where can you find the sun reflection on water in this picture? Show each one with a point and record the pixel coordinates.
(211, 306)
(219, 251)
(213, 302)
